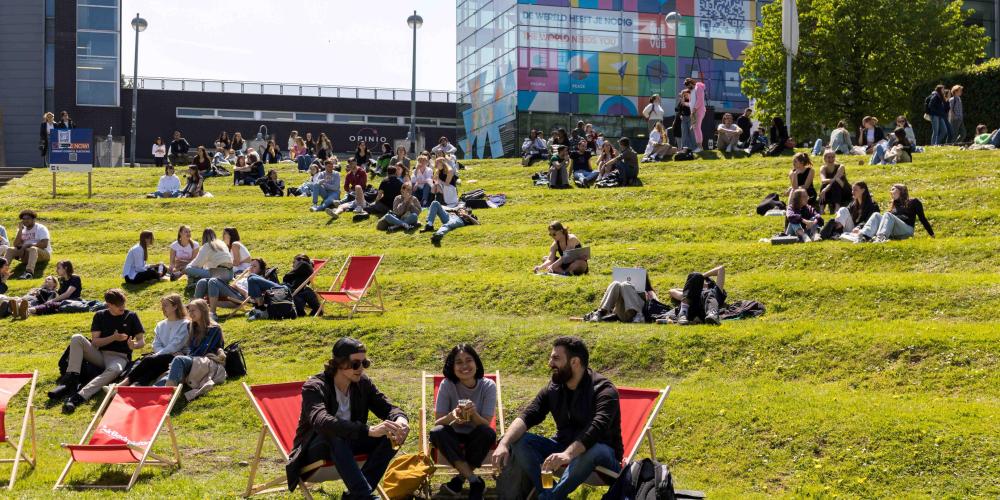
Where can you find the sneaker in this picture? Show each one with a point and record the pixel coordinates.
(476, 488)
(150, 195)
(332, 213)
(638, 318)
(454, 487)
(67, 384)
(314, 208)
(697, 150)
(592, 316)
(393, 229)
(880, 239)
(359, 210)
(436, 240)
(683, 320)
(407, 227)
(712, 319)
(427, 229)
(26, 276)
(69, 406)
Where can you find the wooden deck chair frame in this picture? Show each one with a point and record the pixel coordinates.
(318, 265)
(427, 413)
(28, 419)
(361, 303)
(243, 305)
(148, 457)
(278, 483)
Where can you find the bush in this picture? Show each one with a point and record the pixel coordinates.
(981, 100)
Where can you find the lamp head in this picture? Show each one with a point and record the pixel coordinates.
(673, 18)
(414, 21)
(139, 24)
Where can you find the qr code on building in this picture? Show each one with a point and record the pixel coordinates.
(722, 18)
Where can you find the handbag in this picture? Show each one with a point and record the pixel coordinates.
(408, 474)
(236, 365)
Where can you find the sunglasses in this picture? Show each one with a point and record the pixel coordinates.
(359, 364)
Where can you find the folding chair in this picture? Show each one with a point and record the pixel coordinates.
(279, 406)
(242, 305)
(427, 414)
(350, 288)
(639, 408)
(11, 384)
(318, 265)
(123, 432)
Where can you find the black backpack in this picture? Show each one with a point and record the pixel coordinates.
(279, 304)
(643, 480)
(684, 155)
(927, 103)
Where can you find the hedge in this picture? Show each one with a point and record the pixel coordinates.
(980, 101)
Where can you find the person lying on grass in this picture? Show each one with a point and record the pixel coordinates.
(18, 306)
(623, 302)
(801, 218)
(900, 222)
(449, 221)
(170, 338)
(114, 334)
(69, 288)
(135, 270)
(700, 299)
(466, 403)
(404, 214)
(562, 241)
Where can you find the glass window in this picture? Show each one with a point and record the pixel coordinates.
(271, 88)
(311, 117)
(348, 119)
(310, 91)
(277, 115)
(232, 87)
(97, 93)
(50, 65)
(383, 120)
(50, 8)
(96, 68)
(235, 114)
(104, 3)
(195, 113)
(96, 44)
(96, 18)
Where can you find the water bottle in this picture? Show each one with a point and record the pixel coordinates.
(711, 144)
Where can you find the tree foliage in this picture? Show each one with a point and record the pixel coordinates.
(856, 58)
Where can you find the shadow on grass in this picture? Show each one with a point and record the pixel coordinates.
(40, 268)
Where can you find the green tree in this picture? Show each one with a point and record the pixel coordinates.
(856, 58)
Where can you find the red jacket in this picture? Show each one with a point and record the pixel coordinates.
(356, 177)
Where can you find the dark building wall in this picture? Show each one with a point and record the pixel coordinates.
(22, 77)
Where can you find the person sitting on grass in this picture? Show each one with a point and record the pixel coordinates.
(356, 176)
(272, 153)
(170, 338)
(801, 176)
(302, 156)
(362, 156)
(179, 148)
(559, 167)
(836, 190)
(700, 299)
(423, 181)
(801, 218)
(533, 149)
(334, 423)
(195, 187)
(605, 165)
(213, 260)
(325, 189)
(204, 346)
(4, 242)
(18, 306)
(870, 134)
(449, 222)
(562, 241)
(623, 302)
(588, 429)
(626, 163)
(400, 157)
(850, 220)
(404, 214)
(248, 170)
(729, 134)
(658, 147)
(169, 185)
(114, 333)
(135, 270)
(583, 174)
(777, 140)
(272, 185)
(31, 243)
(231, 294)
(356, 203)
(222, 156)
(69, 288)
(444, 190)
(382, 162)
(840, 140)
(182, 251)
(900, 151)
(466, 403)
(899, 222)
(4, 275)
(302, 270)
(388, 190)
(203, 163)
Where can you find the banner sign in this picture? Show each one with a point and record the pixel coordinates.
(71, 150)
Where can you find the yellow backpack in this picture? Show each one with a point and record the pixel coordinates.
(408, 474)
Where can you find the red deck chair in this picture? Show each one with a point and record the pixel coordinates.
(350, 289)
(427, 416)
(317, 265)
(11, 384)
(279, 406)
(123, 432)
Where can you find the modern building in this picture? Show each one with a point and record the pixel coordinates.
(58, 55)
(543, 64)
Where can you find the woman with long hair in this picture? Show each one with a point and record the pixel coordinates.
(241, 256)
(443, 186)
(159, 151)
(605, 162)
(801, 219)
(292, 141)
(69, 288)
(203, 162)
(135, 269)
(653, 112)
(170, 339)
(466, 404)
(850, 220)
(195, 186)
(938, 109)
(362, 156)
(323, 147)
(204, 340)
(271, 153)
(801, 176)
(555, 262)
(658, 147)
(182, 251)
(238, 143)
(223, 140)
(835, 190)
(213, 260)
(899, 222)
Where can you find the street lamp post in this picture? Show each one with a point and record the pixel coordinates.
(139, 25)
(414, 22)
(672, 19)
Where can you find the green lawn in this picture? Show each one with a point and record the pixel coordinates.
(874, 372)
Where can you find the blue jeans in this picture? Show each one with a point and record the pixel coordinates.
(180, 366)
(256, 285)
(687, 135)
(585, 176)
(329, 197)
(166, 194)
(197, 273)
(218, 288)
(408, 219)
(879, 155)
(531, 450)
(303, 161)
(818, 147)
(940, 130)
(423, 193)
(448, 222)
(360, 481)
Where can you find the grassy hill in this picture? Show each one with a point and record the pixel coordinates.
(874, 372)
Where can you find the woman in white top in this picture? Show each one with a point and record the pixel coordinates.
(653, 112)
(170, 339)
(729, 134)
(213, 260)
(169, 185)
(182, 251)
(292, 138)
(443, 176)
(423, 181)
(159, 151)
(658, 147)
(135, 269)
(241, 256)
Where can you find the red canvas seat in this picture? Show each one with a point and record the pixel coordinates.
(353, 283)
(639, 408)
(10, 385)
(279, 406)
(427, 416)
(123, 432)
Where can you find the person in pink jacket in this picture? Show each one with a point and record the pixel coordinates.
(697, 109)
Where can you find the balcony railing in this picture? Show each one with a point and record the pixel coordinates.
(293, 89)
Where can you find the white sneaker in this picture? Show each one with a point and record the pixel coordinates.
(697, 150)
(359, 210)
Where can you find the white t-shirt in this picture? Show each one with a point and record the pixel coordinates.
(653, 111)
(159, 150)
(732, 128)
(450, 194)
(184, 253)
(343, 404)
(37, 233)
(241, 253)
(168, 184)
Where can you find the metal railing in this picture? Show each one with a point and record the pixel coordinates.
(292, 89)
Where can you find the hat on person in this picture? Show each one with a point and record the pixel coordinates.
(346, 346)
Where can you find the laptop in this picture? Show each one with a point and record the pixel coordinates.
(582, 253)
(636, 276)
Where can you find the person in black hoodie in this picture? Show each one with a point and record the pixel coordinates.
(850, 220)
(65, 122)
(179, 148)
(899, 222)
(745, 124)
(333, 424)
(302, 270)
(777, 137)
(937, 108)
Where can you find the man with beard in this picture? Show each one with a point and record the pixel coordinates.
(585, 408)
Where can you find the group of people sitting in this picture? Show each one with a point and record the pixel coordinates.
(335, 412)
(856, 216)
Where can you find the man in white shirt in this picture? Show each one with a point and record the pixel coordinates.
(31, 243)
(444, 146)
(729, 134)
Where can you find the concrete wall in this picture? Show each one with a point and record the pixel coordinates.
(22, 78)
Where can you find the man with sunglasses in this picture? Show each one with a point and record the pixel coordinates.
(31, 243)
(333, 424)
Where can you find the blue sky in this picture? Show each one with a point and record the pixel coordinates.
(329, 42)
